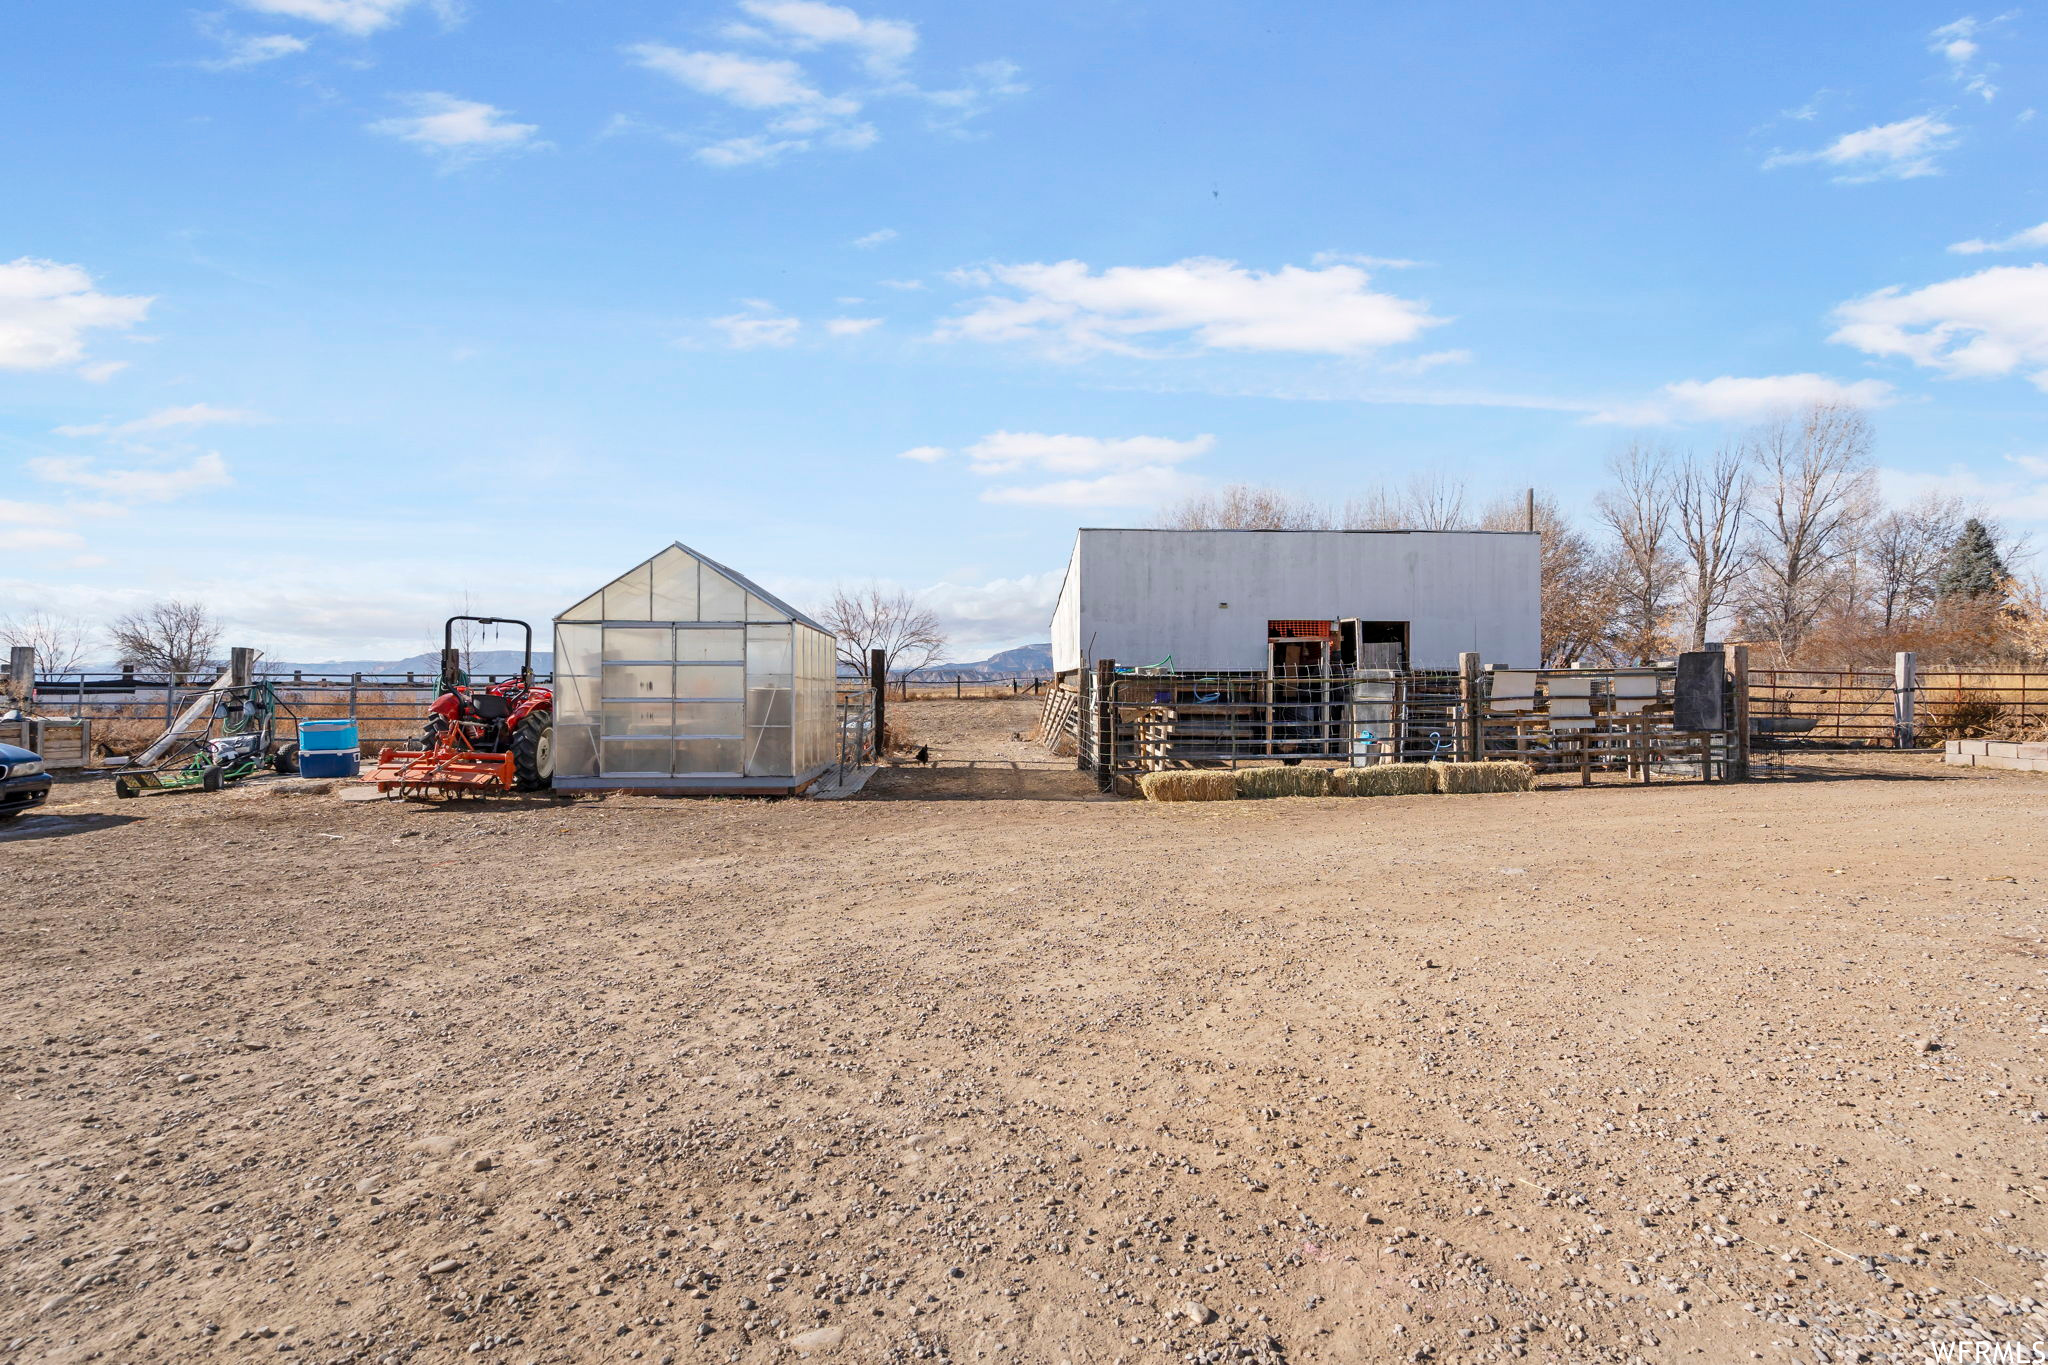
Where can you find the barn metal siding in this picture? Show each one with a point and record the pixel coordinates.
(1139, 596)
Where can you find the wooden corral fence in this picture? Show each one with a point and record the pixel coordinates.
(1681, 722)
(126, 711)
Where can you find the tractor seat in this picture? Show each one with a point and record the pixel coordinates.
(489, 706)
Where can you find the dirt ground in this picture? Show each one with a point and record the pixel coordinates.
(981, 1066)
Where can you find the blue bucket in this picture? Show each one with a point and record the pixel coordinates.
(328, 736)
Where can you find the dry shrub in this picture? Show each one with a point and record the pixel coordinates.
(1383, 779)
(1257, 784)
(1189, 786)
(1462, 779)
(1969, 715)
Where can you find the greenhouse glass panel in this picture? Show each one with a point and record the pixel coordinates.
(575, 700)
(575, 750)
(674, 587)
(706, 719)
(628, 599)
(642, 644)
(768, 703)
(708, 756)
(631, 682)
(630, 719)
(768, 654)
(709, 682)
(709, 644)
(590, 608)
(577, 649)
(637, 757)
(768, 752)
(723, 599)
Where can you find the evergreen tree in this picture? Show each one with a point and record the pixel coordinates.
(1972, 567)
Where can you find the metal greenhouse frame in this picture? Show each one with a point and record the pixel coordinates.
(681, 675)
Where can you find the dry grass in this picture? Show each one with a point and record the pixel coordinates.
(1383, 779)
(1257, 784)
(1463, 779)
(1189, 786)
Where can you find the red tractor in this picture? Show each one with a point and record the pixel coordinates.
(491, 739)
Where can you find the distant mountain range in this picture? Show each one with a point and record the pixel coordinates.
(1026, 660)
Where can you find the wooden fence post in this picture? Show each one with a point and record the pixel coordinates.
(1470, 736)
(878, 681)
(241, 666)
(21, 677)
(1905, 679)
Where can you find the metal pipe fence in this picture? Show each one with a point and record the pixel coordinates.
(1612, 723)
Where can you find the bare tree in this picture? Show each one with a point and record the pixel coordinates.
(1637, 512)
(1709, 500)
(60, 642)
(871, 617)
(1904, 549)
(1577, 589)
(170, 637)
(1242, 507)
(1428, 502)
(1814, 494)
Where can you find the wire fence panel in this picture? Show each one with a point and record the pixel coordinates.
(1602, 724)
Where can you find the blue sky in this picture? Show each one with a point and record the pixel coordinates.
(338, 313)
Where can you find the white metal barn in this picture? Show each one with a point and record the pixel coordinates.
(682, 675)
(1255, 601)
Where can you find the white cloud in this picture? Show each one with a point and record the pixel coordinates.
(100, 372)
(850, 327)
(133, 485)
(358, 17)
(874, 239)
(1733, 399)
(457, 130)
(751, 83)
(192, 415)
(2023, 497)
(1989, 324)
(1957, 44)
(903, 284)
(1131, 471)
(1215, 304)
(1009, 452)
(2023, 240)
(1889, 151)
(46, 309)
(760, 325)
(1146, 486)
(1429, 361)
(883, 44)
(254, 50)
(801, 113)
(39, 538)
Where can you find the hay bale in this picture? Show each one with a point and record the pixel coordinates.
(1189, 786)
(1257, 784)
(1383, 779)
(1461, 779)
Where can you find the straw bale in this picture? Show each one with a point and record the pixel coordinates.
(1189, 786)
(1459, 779)
(1383, 779)
(1260, 783)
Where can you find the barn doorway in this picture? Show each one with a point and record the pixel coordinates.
(1372, 644)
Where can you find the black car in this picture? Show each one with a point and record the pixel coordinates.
(23, 783)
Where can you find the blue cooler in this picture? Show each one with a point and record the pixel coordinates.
(327, 763)
(328, 748)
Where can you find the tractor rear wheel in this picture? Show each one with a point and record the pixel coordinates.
(533, 751)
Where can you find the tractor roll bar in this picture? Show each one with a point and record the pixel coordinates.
(448, 656)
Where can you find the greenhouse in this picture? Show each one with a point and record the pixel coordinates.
(681, 675)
